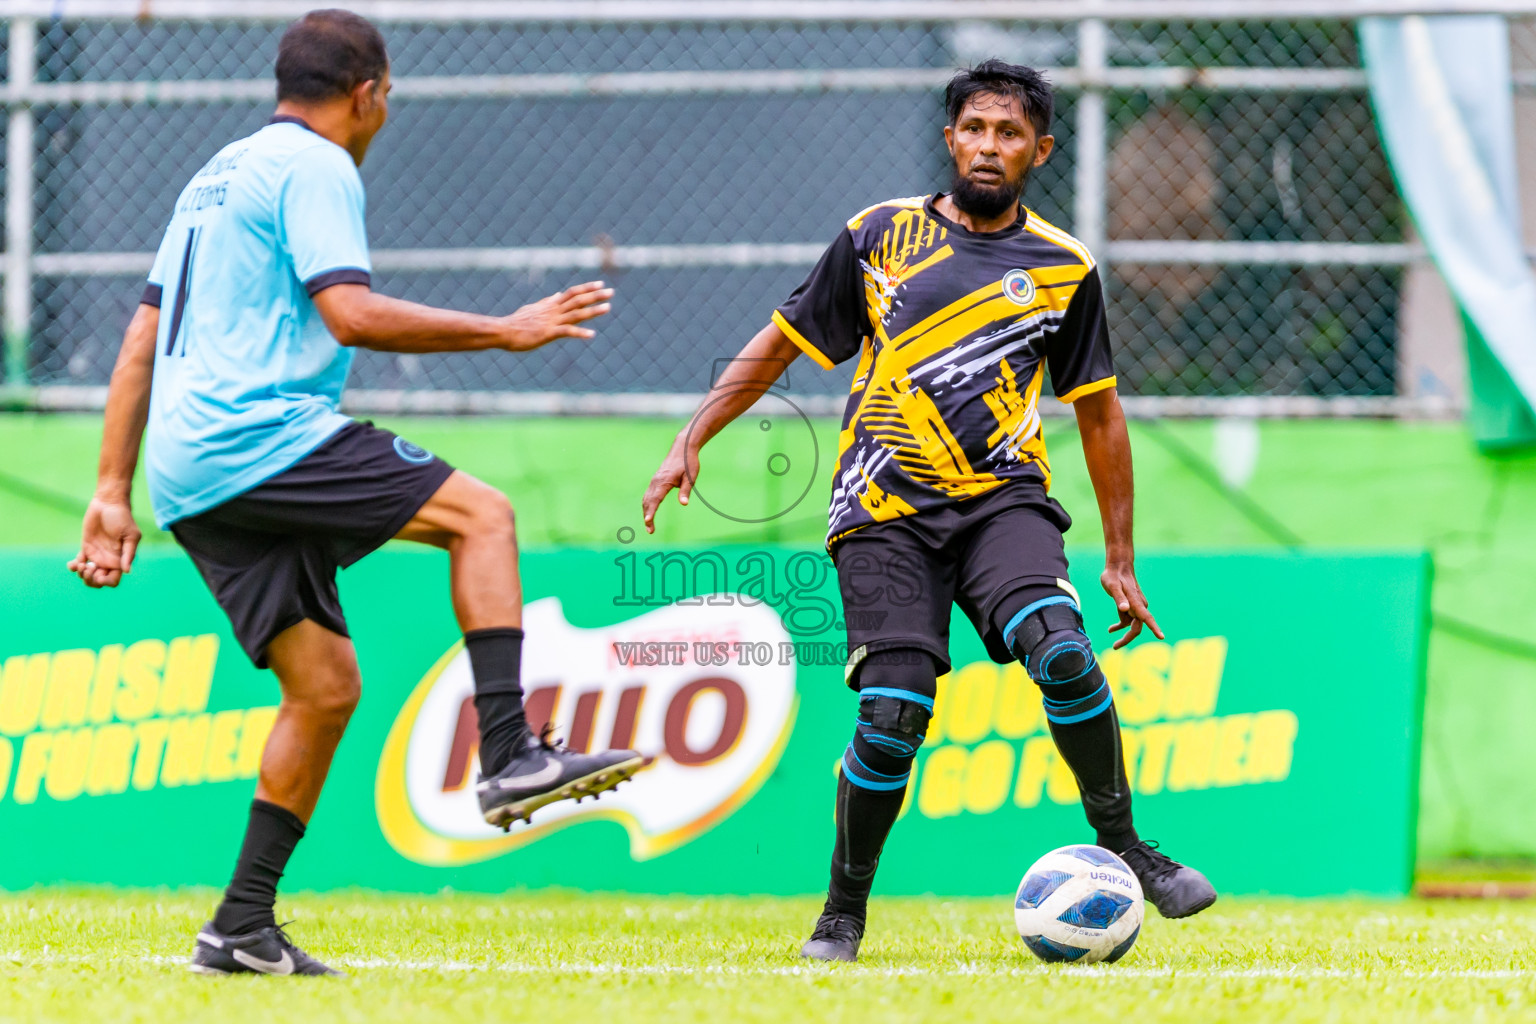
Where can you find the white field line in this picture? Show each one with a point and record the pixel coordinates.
(1104, 973)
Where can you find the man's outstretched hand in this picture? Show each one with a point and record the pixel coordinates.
(107, 544)
(679, 469)
(558, 316)
(1119, 582)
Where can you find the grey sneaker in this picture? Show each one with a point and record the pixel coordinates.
(264, 951)
(836, 938)
(1173, 888)
(544, 772)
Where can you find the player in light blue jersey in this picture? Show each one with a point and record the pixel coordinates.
(226, 415)
(231, 372)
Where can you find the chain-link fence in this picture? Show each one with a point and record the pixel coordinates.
(1227, 173)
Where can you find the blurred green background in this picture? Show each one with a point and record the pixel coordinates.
(1326, 484)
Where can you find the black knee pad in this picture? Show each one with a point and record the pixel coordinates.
(1048, 638)
(885, 741)
(895, 705)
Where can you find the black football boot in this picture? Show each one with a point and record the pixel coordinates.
(543, 772)
(836, 938)
(263, 951)
(1174, 889)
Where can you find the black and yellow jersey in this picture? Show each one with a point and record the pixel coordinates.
(954, 330)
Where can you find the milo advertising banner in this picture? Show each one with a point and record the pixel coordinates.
(1283, 708)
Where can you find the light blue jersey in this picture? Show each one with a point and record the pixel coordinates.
(247, 377)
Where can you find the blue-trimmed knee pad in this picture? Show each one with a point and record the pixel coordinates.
(892, 725)
(1047, 636)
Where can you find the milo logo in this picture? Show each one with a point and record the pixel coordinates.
(714, 731)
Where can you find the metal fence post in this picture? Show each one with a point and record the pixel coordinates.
(19, 211)
(1090, 184)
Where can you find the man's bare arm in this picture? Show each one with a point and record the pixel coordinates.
(109, 536)
(359, 317)
(1107, 450)
(752, 372)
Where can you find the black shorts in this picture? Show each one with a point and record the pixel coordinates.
(899, 578)
(270, 555)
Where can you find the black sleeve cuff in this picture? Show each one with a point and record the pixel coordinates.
(346, 275)
(151, 296)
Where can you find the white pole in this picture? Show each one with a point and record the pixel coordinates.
(19, 214)
(716, 11)
(1090, 185)
(748, 82)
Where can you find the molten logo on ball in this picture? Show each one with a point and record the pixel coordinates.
(715, 731)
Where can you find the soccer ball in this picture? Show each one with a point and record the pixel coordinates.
(1079, 904)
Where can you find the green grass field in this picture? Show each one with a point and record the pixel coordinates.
(92, 956)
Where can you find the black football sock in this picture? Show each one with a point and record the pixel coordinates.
(270, 837)
(896, 689)
(1092, 750)
(496, 659)
(864, 820)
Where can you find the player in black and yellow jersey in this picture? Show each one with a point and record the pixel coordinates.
(956, 305)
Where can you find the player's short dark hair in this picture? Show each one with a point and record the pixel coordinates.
(999, 78)
(328, 53)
